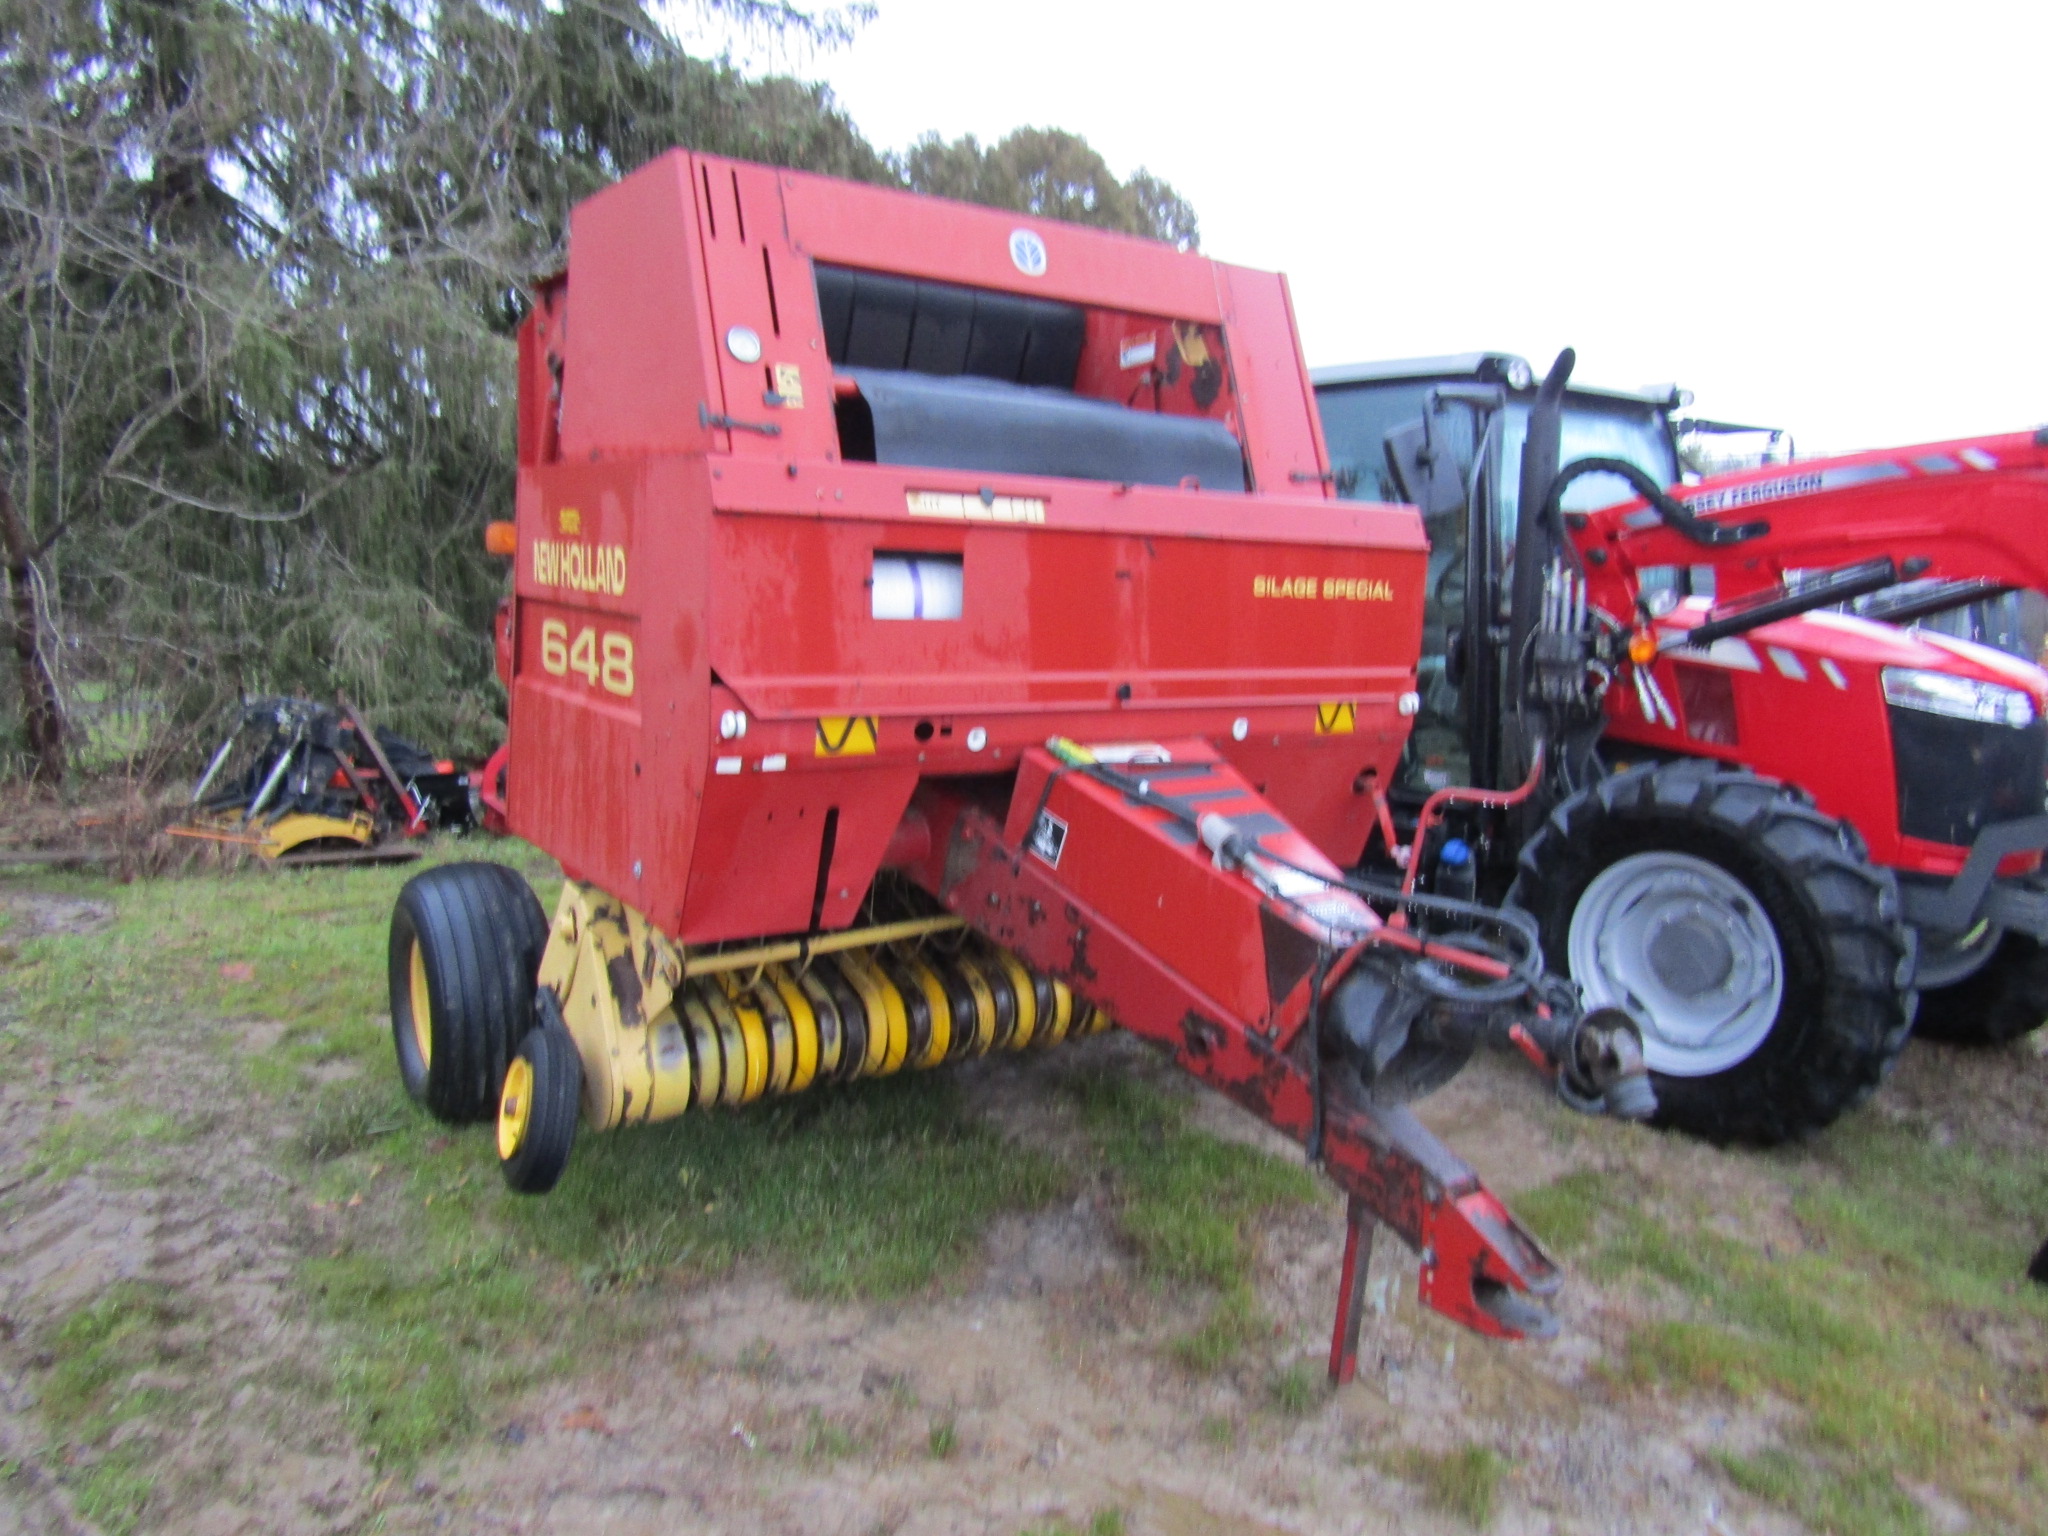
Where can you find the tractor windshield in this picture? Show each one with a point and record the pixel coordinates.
(1596, 427)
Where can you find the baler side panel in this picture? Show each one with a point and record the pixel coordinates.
(636, 355)
(1279, 425)
(610, 693)
(1062, 615)
(777, 844)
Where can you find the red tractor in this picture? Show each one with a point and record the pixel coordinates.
(932, 634)
(1764, 822)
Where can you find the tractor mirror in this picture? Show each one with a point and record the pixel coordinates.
(1424, 470)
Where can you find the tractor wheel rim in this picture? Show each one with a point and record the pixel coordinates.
(515, 1108)
(1689, 948)
(422, 1008)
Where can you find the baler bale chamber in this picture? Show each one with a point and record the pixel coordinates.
(932, 633)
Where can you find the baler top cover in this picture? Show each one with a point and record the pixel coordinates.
(826, 488)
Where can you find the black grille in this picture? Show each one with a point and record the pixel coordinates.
(1957, 777)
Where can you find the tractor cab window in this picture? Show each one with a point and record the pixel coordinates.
(1356, 420)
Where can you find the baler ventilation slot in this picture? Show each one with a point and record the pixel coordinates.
(904, 324)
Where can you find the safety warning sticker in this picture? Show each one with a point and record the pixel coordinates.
(845, 736)
(1048, 838)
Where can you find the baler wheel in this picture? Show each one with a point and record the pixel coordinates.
(1754, 925)
(537, 1109)
(461, 992)
(529, 924)
(2004, 1000)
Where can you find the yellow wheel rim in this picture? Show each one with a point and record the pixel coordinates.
(515, 1107)
(422, 1009)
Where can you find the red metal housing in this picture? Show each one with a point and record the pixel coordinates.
(696, 552)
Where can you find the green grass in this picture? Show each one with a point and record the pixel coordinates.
(873, 1190)
(1464, 1482)
(1296, 1389)
(1189, 1205)
(1864, 1502)
(446, 1294)
(1104, 1522)
(1906, 1251)
(943, 1438)
(91, 1390)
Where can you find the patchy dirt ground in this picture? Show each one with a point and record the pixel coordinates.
(1035, 1394)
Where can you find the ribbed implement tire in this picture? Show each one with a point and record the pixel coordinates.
(529, 928)
(2006, 999)
(552, 1075)
(467, 928)
(1845, 1009)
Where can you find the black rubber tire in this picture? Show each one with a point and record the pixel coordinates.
(1847, 1006)
(536, 1164)
(2004, 1000)
(530, 926)
(472, 938)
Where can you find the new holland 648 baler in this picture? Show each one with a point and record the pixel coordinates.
(932, 633)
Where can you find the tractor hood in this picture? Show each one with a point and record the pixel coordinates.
(1817, 639)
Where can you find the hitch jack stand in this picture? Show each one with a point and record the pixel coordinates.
(1360, 1225)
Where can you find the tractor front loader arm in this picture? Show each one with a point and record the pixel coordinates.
(1966, 510)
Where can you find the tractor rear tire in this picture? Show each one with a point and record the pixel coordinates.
(538, 1108)
(461, 987)
(2004, 1000)
(1754, 924)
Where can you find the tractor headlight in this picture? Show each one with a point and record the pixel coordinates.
(1959, 698)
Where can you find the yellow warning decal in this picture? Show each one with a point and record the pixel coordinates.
(789, 383)
(845, 736)
(1339, 719)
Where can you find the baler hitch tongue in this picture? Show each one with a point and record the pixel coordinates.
(1480, 1267)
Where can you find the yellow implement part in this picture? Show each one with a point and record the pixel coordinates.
(781, 1034)
(984, 1003)
(803, 1022)
(706, 1054)
(888, 1024)
(515, 1108)
(824, 944)
(942, 1011)
(831, 1027)
(1022, 984)
(670, 1093)
(596, 943)
(754, 1039)
(298, 829)
(732, 1040)
(656, 1036)
(867, 987)
(1062, 1013)
(422, 1008)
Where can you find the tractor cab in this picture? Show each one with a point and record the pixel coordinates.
(1468, 414)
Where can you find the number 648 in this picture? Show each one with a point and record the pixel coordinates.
(604, 661)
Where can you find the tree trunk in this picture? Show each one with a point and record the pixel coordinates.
(41, 714)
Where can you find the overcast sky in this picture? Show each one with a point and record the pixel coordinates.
(1826, 217)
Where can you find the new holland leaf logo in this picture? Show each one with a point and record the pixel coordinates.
(845, 736)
